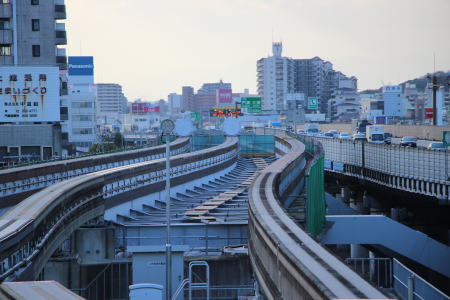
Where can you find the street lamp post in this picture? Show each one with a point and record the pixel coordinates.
(167, 127)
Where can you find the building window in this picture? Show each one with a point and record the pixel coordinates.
(35, 25)
(5, 1)
(34, 2)
(36, 50)
(5, 50)
(4, 23)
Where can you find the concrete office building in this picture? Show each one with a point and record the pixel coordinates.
(188, 98)
(82, 95)
(295, 105)
(206, 97)
(175, 103)
(211, 88)
(111, 104)
(30, 58)
(31, 33)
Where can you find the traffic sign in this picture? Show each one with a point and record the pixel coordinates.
(167, 126)
(252, 104)
(313, 103)
(196, 117)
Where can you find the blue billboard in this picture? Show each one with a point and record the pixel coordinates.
(81, 66)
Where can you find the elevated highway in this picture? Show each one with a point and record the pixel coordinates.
(413, 170)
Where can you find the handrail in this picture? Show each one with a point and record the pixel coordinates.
(180, 288)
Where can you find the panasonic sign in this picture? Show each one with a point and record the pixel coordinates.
(81, 66)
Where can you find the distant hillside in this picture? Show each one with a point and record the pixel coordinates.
(371, 91)
(421, 82)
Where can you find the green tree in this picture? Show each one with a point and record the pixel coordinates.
(118, 140)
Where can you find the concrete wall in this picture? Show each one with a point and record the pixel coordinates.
(45, 37)
(45, 135)
(424, 132)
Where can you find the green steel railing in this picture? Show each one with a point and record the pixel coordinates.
(315, 197)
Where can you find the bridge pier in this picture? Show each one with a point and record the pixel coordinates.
(345, 195)
(360, 204)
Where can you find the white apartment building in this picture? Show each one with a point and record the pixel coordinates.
(274, 79)
(394, 102)
(110, 104)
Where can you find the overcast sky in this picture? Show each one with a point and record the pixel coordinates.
(153, 47)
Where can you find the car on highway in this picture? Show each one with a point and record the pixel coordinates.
(345, 136)
(408, 141)
(436, 146)
(387, 138)
(335, 133)
(359, 137)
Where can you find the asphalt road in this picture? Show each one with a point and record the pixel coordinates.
(420, 143)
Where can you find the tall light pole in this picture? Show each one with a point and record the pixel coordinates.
(167, 126)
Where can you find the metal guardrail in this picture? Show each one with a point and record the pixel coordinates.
(410, 286)
(378, 269)
(391, 274)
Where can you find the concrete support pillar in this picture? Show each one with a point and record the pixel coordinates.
(357, 202)
(345, 194)
(357, 205)
(358, 251)
(371, 265)
(395, 214)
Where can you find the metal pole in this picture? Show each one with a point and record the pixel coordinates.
(168, 245)
(434, 85)
(446, 164)
(15, 38)
(411, 287)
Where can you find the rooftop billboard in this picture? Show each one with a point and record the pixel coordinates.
(81, 66)
(29, 94)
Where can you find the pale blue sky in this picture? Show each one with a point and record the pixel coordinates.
(153, 47)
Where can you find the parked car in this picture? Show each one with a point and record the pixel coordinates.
(359, 137)
(387, 138)
(436, 146)
(345, 136)
(408, 141)
(328, 135)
